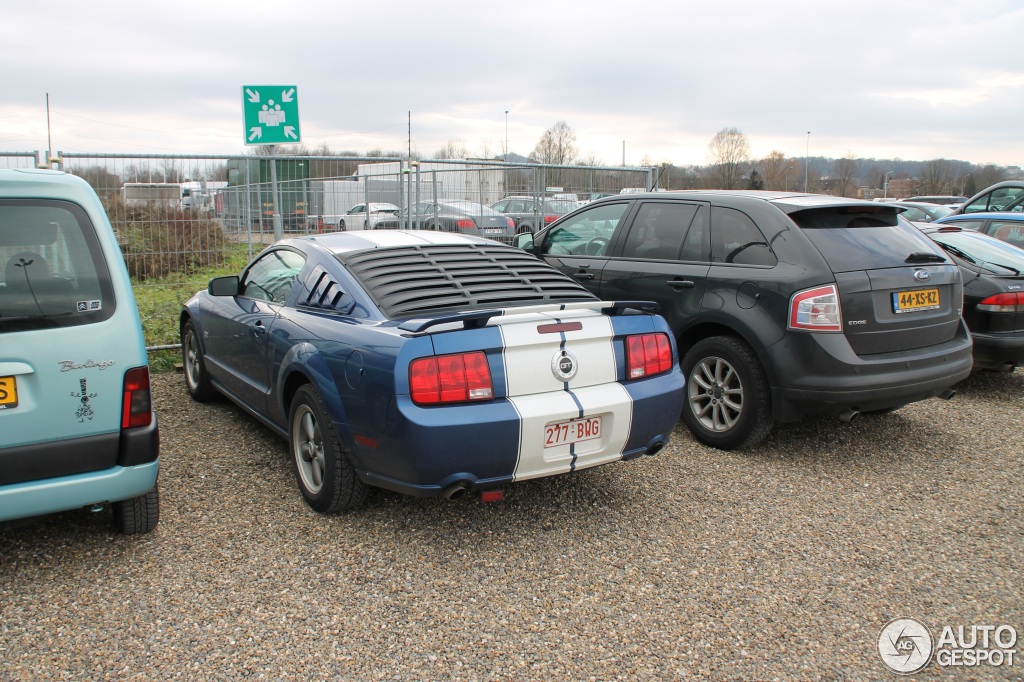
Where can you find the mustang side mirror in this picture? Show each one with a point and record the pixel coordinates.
(224, 286)
(524, 241)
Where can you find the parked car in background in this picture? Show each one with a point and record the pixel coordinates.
(782, 304)
(367, 216)
(430, 364)
(77, 427)
(1005, 196)
(993, 273)
(1006, 227)
(941, 199)
(532, 213)
(921, 212)
(462, 217)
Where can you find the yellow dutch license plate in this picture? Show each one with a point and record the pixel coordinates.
(8, 393)
(913, 301)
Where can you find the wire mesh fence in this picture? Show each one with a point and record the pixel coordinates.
(181, 220)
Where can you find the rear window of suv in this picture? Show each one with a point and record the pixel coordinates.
(54, 274)
(853, 239)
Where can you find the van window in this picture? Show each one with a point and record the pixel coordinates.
(54, 273)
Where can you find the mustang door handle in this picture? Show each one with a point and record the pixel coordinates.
(680, 284)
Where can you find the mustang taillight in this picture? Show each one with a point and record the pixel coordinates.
(816, 310)
(457, 378)
(136, 404)
(647, 355)
(465, 224)
(1003, 303)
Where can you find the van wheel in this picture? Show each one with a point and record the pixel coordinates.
(137, 515)
(323, 470)
(728, 403)
(197, 381)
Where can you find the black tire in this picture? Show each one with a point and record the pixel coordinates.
(197, 379)
(341, 225)
(728, 401)
(323, 470)
(137, 515)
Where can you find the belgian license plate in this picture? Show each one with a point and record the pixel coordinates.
(572, 431)
(8, 393)
(912, 301)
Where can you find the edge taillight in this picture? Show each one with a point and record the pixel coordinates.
(136, 401)
(456, 378)
(816, 310)
(647, 355)
(1011, 302)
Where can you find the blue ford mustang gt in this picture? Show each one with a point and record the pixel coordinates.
(430, 363)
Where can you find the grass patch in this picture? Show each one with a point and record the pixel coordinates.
(159, 300)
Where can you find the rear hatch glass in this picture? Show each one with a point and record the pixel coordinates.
(54, 273)
(897, 290)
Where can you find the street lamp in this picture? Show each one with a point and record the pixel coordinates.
(885, 185)
(807, 156)
(788, 168)
(506, 135)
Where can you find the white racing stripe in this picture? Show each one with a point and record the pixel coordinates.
(609, 401)
(542, 398)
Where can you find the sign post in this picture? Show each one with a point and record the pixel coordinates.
(271, 117)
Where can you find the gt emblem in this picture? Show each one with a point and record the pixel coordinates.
(564, 365)
(922, 275)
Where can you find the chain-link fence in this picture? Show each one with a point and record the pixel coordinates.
(183, 219)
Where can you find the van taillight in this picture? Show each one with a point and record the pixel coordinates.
(457, 378)
(647, 355)
(816, 310)
(136, 403)
(1003, 303)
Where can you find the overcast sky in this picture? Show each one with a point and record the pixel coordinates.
(916, 80)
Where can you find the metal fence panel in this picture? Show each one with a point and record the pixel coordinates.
(183, 219)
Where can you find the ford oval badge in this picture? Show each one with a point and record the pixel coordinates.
(922, 275)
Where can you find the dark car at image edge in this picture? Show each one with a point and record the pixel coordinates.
(993, 273)
(783, 304)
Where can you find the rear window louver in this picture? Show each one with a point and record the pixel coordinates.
(410, 280)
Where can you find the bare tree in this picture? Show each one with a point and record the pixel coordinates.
(452, 149)
(774, 169)
(556, 146)
(846, 174)
(728, 153)
(936, 177)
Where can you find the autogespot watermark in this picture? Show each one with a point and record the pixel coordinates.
(906, 646)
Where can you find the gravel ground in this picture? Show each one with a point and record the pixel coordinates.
(783, 562)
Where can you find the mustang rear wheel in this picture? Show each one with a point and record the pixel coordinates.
(728, 404)
(197, 381)
(323, 470)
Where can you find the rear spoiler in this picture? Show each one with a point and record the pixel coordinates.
(479, 318)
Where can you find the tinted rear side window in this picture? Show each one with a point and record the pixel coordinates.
(855, 239)
(54, 274)
(736, 239)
